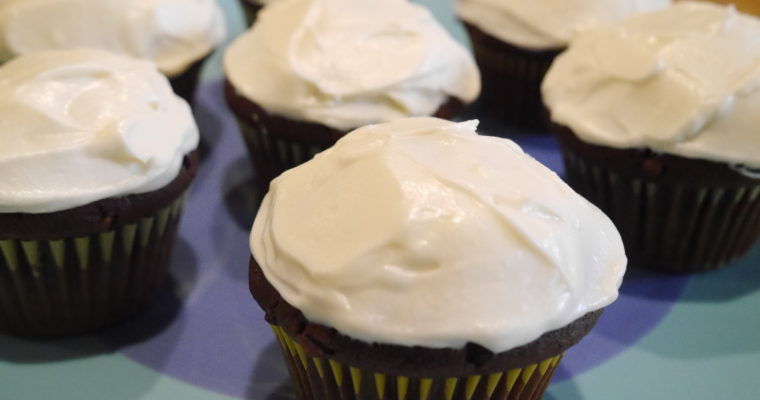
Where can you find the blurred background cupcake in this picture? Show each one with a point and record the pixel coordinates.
(416, 259)
(657, 118)
(252, 7)
(176, 34)
(515, 42)
(310, 71)
(97, 153)
(745, 6)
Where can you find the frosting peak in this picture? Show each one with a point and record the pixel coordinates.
(172, 33)
(83, 125)
(421, 232)
(346, 63)
(684, 80)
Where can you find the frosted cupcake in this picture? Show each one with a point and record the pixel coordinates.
(417, 259)
(515, 42)
(308, 72)
(97, 153)
(176, 34)
(252, 7)
(657, 118)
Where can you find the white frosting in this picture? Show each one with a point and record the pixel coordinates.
(172, 33)
(421, 232)
(546, 24)
(347, 63)
(78, 126)
(684, 81)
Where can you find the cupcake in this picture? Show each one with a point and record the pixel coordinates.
(416, 259)
(142, 29)
(308, 72)
(251, 8)
(657, 120)
(747, 6)
(515, 42)
(97, 154)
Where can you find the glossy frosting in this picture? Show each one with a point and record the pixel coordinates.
(683, 81)
(347, 63)
(421, 232)
(172, 33)
(78, 126)
(546, 24)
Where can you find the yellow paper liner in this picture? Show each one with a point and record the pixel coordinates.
(318, 378)
(74, 285)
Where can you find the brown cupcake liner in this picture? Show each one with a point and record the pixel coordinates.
(251, 8)
(276, 144)
(511, 79)
(74, 285)
(186, 83)
(328, 379)
(675, 225)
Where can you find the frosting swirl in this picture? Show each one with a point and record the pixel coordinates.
(421, 232)
(172, 33)
(347, 63)
(546, 24)
(684, 81)
(84, 125)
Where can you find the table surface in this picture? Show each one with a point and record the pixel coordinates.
(667, 337)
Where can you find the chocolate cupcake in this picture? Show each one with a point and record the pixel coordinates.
(251, 8)
(657, 120)
(308, 72)
(97, 155)
(149, 30)
(515, 42)
(417, 259)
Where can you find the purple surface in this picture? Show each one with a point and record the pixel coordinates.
(207, 330)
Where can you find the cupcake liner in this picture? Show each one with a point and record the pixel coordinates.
(73, 285)
(276, 143)
(667, 225)
(324, 378)
(274, 154)
(511, 78)
(185, 84)
(250, 9)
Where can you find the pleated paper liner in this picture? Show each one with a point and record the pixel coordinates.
(250, 9)
(74, 285)
(670, 226)
(276, 144)
(186, 83)
(511, 79)
(321, 378)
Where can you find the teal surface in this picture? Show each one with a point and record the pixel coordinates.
(706, 347)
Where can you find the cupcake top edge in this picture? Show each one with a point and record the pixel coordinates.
(546, 24)
(420, 232)
(682, 81)
(348, 63)
(172, 33)
(83, 125)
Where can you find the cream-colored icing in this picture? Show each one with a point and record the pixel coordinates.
(685, 81)
(78, 126)
(347, 63)
(172, 33)
(546, 24)
(422, 232)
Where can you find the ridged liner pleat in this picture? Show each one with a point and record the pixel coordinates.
(668, 226)
(511, 80)
(317, 378)
(274, 154)
(73, 285)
